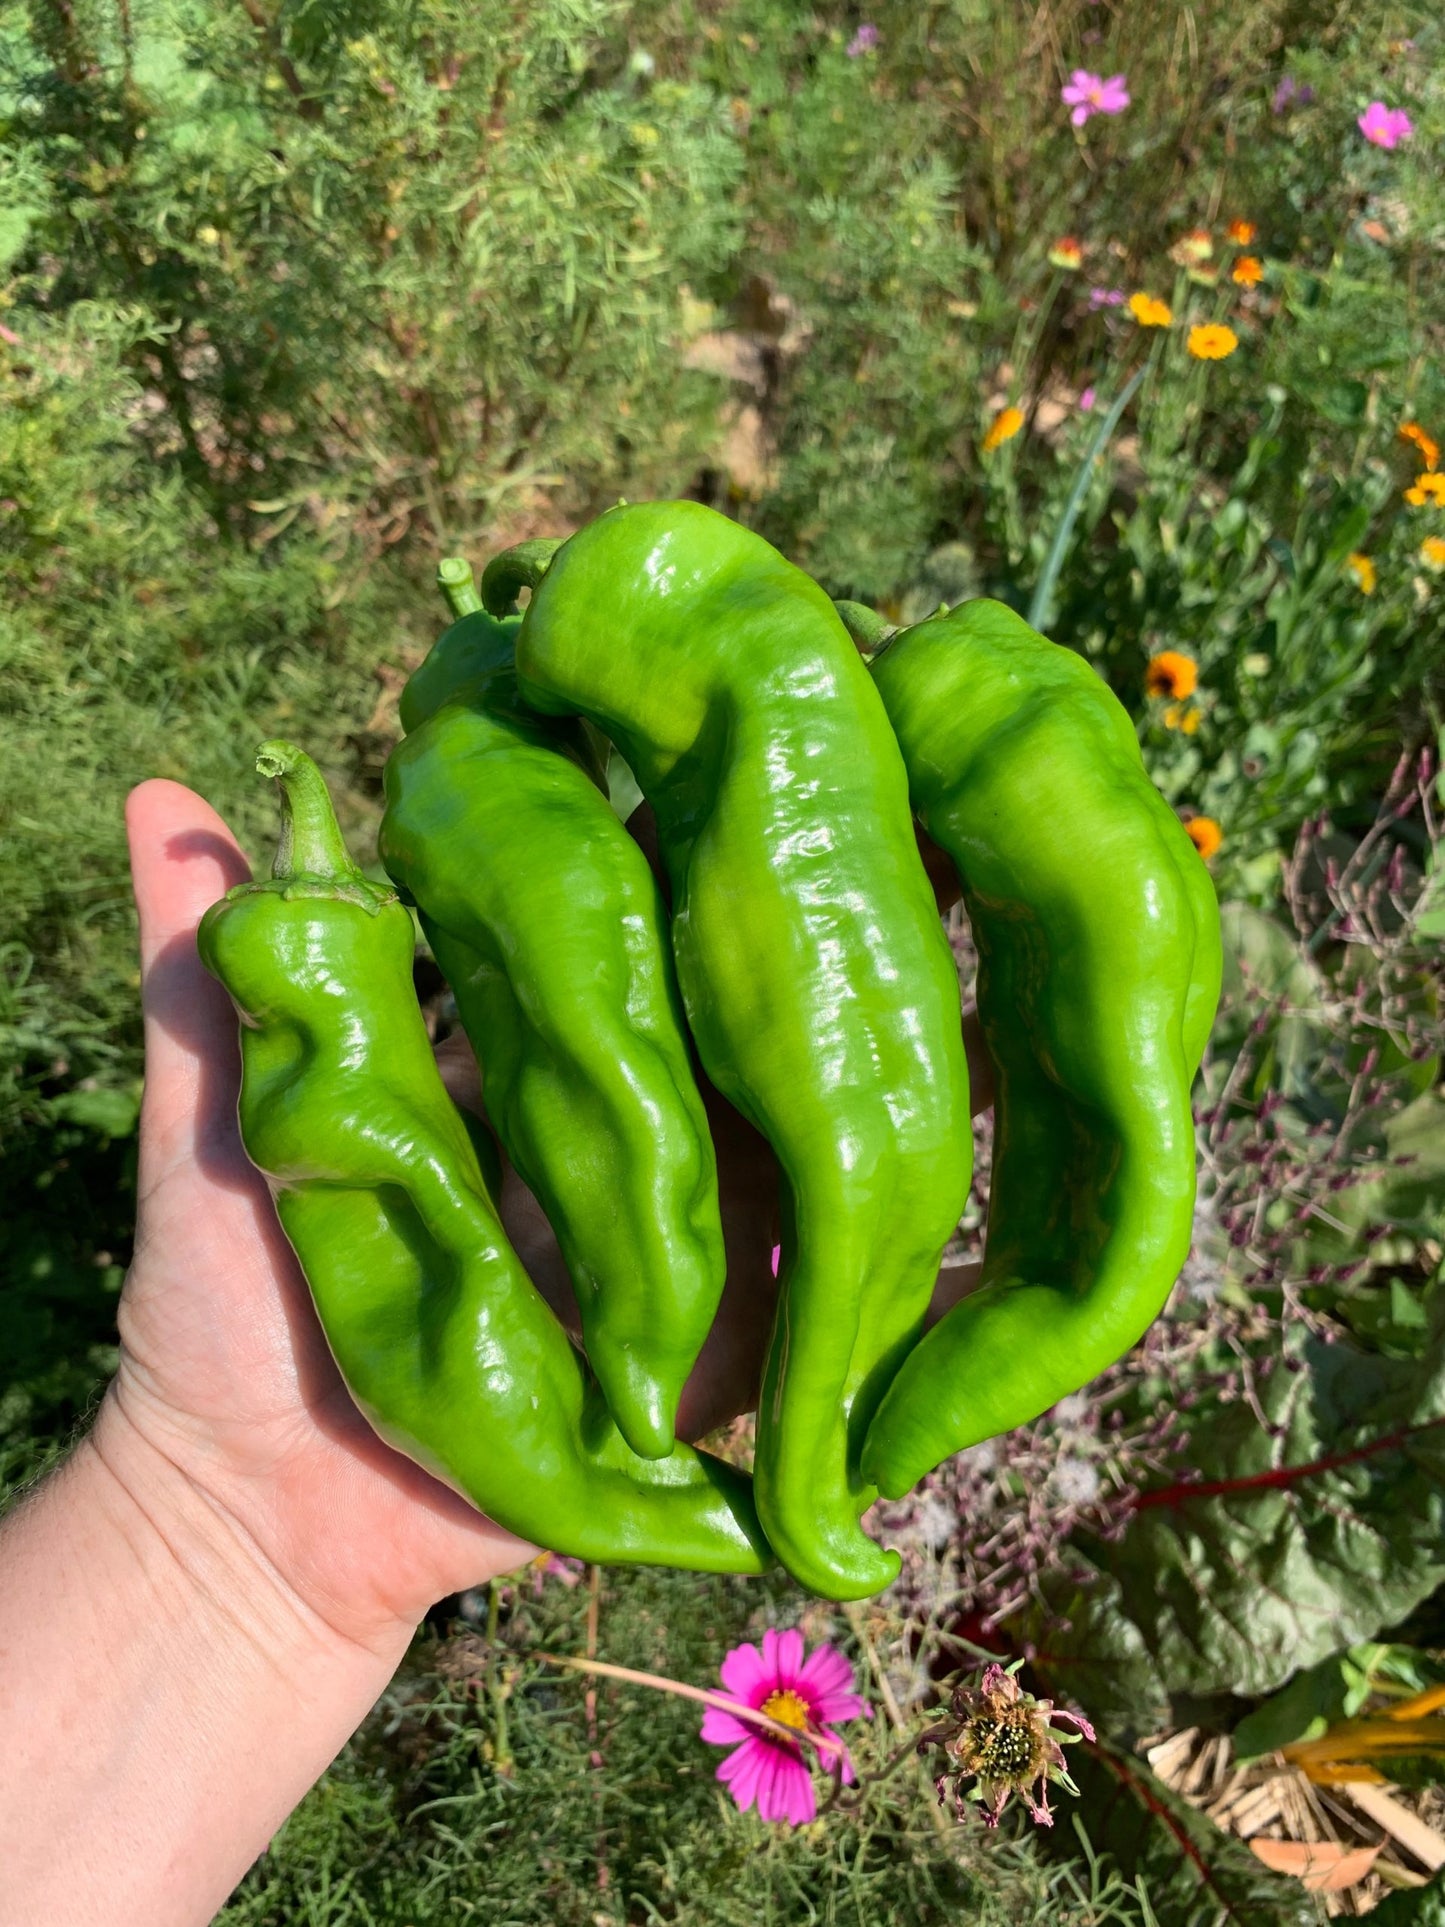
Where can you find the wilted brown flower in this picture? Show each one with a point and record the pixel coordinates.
(1004, 1740)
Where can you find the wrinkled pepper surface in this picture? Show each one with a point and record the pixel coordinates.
(548, 925)
(1097, 931)
(437, 1330)
(816, 977)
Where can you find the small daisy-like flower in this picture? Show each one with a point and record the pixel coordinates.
(1248, 271)
(1090, 94)
(1212, 341)
(1363, 570)
(1005, 1741)
(1193, 249)
(1150, 313)
(1385, 126)
(1432, 551)
(808, 1695)
(1205, 834)
(1066, 253)
(1241, 233)
(1183, 716)
(1429, 448)
(1004, 426)
(1428, 487)
(1106, 297)
(1171, 674)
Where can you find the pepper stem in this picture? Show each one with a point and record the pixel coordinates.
(870, 632)
(458, 585)
(515, 569)
(311, 843)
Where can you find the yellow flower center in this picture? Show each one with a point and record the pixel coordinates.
(787, 1708)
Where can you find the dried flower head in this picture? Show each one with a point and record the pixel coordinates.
(1004, 1741)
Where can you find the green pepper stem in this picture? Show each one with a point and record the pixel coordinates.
(458, 585)
(868, 629)
(311, 844)
(514, 570)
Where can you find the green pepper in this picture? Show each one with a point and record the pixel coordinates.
(547, 923)
(1097, 932)
(437, 1330)
(816, 976)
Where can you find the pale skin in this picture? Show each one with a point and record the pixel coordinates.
(199, 1608)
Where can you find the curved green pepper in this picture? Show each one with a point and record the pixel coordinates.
(547, 923)
(815, 973)
(434, 1324)
(1097, 932)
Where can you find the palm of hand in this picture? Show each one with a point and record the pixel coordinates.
(224, 1368)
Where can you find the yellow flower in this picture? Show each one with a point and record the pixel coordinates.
(1193, 249)
(1429, 448)
(1432, 551)
(1248, 271)
(1241, 233)
(1428, 487)
(1066, 253)
(1004, 426)
(1212, 341)
(1148, 312)
(1171, 674)
(1205, 834)
(1182, 716)
(1363, 570)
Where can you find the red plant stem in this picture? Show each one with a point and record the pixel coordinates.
(1186, 1490)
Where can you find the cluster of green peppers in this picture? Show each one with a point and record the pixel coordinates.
(787, 749)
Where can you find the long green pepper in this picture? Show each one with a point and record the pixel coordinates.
(435, 1326)
(1097, 932)
(816, 977)
(548, 925)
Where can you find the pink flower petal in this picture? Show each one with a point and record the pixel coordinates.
(745, 1676)
(741, 1773)
(1080, 115)
(793, 1796)
(724, 1729)
(788, 1656)
(825, 1671)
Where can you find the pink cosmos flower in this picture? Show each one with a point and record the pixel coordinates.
(808, 1695)
(1089, 94)
(1385, 126)
(863, 41)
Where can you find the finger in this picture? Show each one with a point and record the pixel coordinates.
(183, 858)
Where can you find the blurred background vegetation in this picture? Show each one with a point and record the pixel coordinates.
(296, 295)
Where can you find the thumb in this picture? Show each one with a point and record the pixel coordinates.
(182, 859)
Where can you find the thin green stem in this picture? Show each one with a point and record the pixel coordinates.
(1041, 608)
(507, 574)
(870, 631)
(311, 843)
(458, 585)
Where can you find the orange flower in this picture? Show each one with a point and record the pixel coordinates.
(1066, 253)
(1150, 313)
(1428, 487)
(1205, 834)
(1171, 674)
(1004, 426)
(1212, 341)
(1193, 249)
(1248, 271)
(1241, 233)
(1429, 448)
(1363, 570)
(1432, 551)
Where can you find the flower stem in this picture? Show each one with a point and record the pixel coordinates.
(825, 1743)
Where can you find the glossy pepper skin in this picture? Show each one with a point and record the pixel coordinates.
(547, 922)
(817, 980)
(435, 1326)
(1097, 932)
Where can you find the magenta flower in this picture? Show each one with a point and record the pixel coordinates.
(1106, 297)
(763, 1767)
(1385, 126)
(863, 41)
(1089, 94)
(1086, 401)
